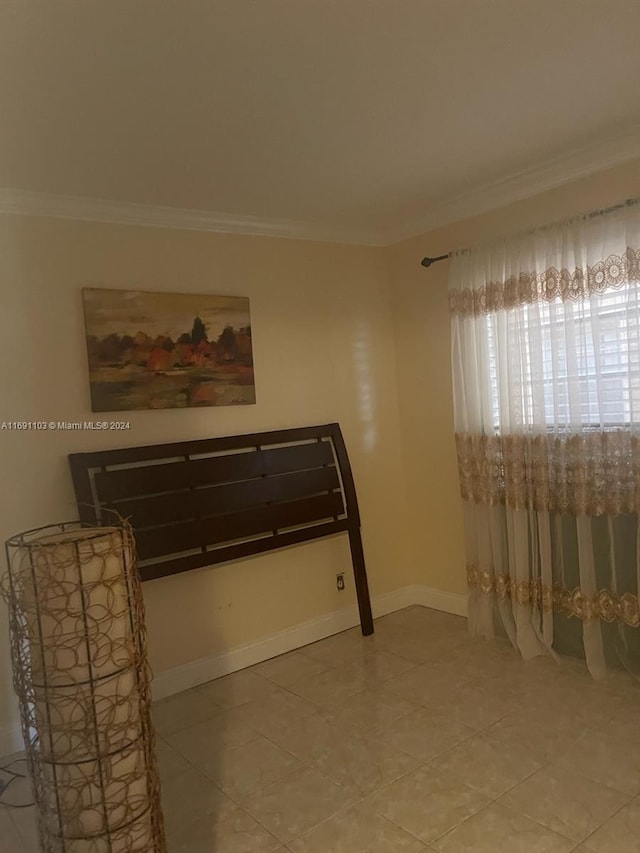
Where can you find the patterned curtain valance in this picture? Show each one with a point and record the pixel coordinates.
(551, 284)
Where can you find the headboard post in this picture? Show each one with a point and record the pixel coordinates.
(360, 578)
(355, 538)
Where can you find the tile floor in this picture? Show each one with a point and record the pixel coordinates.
(413, 740)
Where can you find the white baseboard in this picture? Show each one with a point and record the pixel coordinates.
(205, 669)
(438, 599)
(196, 672)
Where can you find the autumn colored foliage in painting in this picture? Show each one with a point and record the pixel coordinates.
(210, 362)
(163, 353)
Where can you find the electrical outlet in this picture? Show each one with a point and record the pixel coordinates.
(340, 581)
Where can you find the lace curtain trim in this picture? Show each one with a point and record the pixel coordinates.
(613, 272)
(604, 604)
(588, 473)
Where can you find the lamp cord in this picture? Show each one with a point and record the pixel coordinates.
(4, 786)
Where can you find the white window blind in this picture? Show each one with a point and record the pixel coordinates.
(569, 363)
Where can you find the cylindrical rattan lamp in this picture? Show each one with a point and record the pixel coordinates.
(81, 675)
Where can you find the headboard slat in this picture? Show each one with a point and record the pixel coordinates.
(241, 550)
(215, 500)
(173, 538)
(171, 476)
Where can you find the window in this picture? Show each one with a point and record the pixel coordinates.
(568, 363)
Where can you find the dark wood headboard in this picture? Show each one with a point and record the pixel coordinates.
(198, 503)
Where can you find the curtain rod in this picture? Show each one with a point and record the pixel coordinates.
(426, 262)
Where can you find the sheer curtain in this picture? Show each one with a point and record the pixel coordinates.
(546, 374)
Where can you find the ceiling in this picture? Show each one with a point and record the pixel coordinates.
(360, 120)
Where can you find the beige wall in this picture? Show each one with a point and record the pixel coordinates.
(357, 335)
(324, 351)
(423, 353)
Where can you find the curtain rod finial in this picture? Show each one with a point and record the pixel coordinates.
(426, 262)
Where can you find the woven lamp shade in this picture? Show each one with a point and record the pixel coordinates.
(81, 675)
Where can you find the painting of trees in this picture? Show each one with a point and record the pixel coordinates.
(162, 350)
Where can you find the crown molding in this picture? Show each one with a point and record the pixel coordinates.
(28, 203)
(570, 166)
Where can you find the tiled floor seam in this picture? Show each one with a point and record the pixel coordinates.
(540, 823)
(233, 796)
(494, 801)
(611, 817)
(546, 826)
(353, 804)
(338, 811)
(520, 781)
(344, 809)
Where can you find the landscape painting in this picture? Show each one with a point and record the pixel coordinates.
(167, 350)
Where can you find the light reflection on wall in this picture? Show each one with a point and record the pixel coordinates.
(362, 349)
